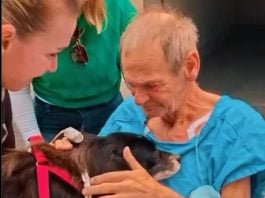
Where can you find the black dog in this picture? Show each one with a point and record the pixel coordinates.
(95, 154)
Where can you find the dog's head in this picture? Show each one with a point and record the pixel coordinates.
(95, 155)
(106, 153)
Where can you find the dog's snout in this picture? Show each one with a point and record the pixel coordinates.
(175, 157)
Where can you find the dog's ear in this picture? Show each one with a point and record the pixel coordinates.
(61, 158)
(14, 160)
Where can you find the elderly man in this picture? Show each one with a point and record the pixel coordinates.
(217, 137)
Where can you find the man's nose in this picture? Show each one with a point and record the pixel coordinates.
(140, 96)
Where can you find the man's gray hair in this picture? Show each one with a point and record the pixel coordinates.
(176, 32)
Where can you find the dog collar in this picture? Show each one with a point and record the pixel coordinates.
(86, 180)
(43, 167)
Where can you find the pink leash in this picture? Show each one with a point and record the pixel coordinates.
(42, 169)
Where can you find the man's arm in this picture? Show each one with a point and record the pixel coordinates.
(239, 188)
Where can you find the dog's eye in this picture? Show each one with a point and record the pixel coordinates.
(117, 153)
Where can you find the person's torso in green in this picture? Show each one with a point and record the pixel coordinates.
(76, 85)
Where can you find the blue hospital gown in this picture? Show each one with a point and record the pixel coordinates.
(230, 146)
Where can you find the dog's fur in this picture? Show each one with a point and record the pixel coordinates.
(95, 154)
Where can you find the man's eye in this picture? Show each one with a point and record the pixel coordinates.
(154, 87)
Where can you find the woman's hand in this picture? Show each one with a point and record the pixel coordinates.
(62, 144)
(64, 139)
(128, 184)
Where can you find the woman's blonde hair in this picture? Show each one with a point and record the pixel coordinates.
(32, 15)
(95, 13)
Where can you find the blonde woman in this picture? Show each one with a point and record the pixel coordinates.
(84, 91)
(32, 34)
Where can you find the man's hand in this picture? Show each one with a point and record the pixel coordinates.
(128, 184)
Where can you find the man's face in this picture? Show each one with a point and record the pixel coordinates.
(154, 85)
(32, 56)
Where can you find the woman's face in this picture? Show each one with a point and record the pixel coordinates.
(26, 58)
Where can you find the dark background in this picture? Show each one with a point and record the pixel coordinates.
(232, 46)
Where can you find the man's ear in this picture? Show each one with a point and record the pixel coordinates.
(192, 65)
(8, 34)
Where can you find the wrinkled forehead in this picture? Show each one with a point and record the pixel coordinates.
(143, 59)
(148, 70)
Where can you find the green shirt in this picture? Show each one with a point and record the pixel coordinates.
(76, 85)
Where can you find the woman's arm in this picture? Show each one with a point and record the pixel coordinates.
(23, 113)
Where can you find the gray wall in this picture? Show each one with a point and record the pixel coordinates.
(250, 12)
(214, 19)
